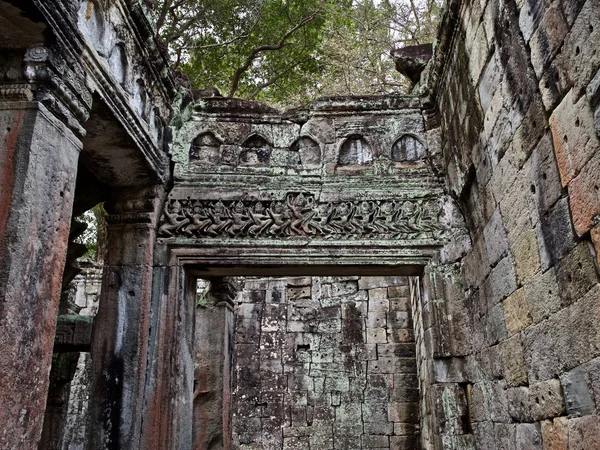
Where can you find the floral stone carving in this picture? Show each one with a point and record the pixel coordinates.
(301, 216)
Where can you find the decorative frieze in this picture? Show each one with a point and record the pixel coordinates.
(301, 215)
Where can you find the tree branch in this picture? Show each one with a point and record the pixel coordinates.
(268, 47)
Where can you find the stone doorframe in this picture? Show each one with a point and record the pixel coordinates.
(169, 418)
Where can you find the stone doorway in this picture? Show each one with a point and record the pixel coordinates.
(324, 363)
(301, 361)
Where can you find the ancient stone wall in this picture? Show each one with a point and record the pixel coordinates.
(519, 102)
(325, 363)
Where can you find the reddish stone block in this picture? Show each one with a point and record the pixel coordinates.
(584, 191)
(574, 136)
(555, 434)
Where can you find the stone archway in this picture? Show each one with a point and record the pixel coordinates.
(227, 216)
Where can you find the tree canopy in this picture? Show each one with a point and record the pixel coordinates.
(286, 52)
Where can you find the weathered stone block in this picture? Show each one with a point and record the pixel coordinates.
(399, 320)
(547, 40)
(495, 239)
(381, 282)
(529, 436)
(529, 134)
(501, 282)
(541, 294)
(403, 412)
(578, 271)
(546, 400)
(542, 175)
(398, 292)
(376, 335)
(495, 327)
(557, 344)
(579, 48)
(519, 408)
(505, 436)
(513, 359)
(584, 197)
(574, 136)
(555, 434)
(579, 396)
(555, 233)
(584, 433)
(516, 312)
(404, 442)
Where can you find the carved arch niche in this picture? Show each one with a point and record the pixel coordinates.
(256, 152)
(408, 148)
(355, 153)
(205, 149)
(91, 23)
(140, 99)
(117, 61)
(309, 151)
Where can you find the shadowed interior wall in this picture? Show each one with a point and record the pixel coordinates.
(325, 363)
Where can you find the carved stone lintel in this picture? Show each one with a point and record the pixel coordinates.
(224, 290)
(115, 219)
(135, 205)
(300, 215)
(45, 77)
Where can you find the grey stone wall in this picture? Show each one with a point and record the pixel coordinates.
(519, 101)
(325, 363)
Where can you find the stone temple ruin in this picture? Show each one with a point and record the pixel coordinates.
(394, 272)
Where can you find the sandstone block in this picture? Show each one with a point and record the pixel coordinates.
(516, 312)
(555, 434)
(579, 396)
(555, 233)
(546, 399)
(541, 294)
(519, 408)
(579, 47)
(501, 282)
(380, 282)
(513, 359)
(559, 343)
(495, 239)
(529, 134)
(403, 412)
(376, 335)
(584, 196)
(529, 436)
(404, 442)
(584, 433)
(505, 436)
(574, 136)
(375, 441)
(578, 271)
(379, 428)
(495, 327)
(547, 40)
(542, 175)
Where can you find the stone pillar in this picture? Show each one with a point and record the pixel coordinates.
(168, 414)
(213, 345)
(38, 167)
(120, 342)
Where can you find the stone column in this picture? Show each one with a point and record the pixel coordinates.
(168, 414)
(213, 345)
(120, 342)
(38, 167)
